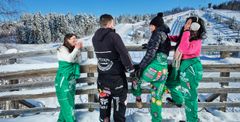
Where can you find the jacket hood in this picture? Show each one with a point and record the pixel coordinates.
(164, 28)
(101, 33)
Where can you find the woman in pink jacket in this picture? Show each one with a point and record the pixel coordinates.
(187, 69)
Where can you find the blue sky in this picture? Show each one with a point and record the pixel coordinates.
(114, 7)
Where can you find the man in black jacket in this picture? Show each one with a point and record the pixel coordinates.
(113, 61)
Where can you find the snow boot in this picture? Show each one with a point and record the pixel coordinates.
(170, 100)
(139, 102)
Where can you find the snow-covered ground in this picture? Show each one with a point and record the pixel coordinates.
(228, 14)
(133, 115)
(138, 116)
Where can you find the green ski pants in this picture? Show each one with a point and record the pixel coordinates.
(65, 91)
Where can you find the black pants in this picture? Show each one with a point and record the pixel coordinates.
(112, 89)
(119, 107)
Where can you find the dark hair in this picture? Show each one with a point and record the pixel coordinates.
(66, 43)
(200, 34)
(104, 19)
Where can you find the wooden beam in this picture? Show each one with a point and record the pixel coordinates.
(221, 67)
(34, 95)
(220, 48)
(96, 105)
(28, 85)
(92, 68)
(26, 103)
(35, 53)
(28, 73)
(42, 72)
(89, 48)
(32, 85)
(212, 97)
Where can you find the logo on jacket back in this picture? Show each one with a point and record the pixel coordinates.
(104, 64)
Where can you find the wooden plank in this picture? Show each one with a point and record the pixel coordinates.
(36, 53)
(220, 79)
(204, 80)
(28, 73)
(221, 67)
(92, 68)
(220, 48)
(27, 96)
(130, 48)
(96, 105)
(90, 55)
(42, 72)
(28, 54)
(27, 111)
(28, 85)
(33, 85)
(26, 103)
(223, 97)
(13, 104)
(94, 91)
(212, 97)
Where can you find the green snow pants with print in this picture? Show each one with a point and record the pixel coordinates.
(159, 66)
(173, 84)
(190, 73)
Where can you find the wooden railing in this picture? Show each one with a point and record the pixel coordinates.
(17, 92)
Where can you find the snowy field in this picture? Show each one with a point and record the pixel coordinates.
(133, 115)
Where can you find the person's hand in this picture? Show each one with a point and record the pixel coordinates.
(144, 46)
(79, 45)
(187, 25)
(136, 74)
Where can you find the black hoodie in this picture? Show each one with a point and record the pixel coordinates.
(112, 55)
(159, 42)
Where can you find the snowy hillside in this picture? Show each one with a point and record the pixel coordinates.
(215, 30)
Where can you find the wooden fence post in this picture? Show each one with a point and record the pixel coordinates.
(223, 97)
(12, 104)
(90, 55)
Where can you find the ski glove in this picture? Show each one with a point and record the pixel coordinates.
(144, 46)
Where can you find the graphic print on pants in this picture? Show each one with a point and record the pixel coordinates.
(156, 74)
(112, 89)
(185, 89)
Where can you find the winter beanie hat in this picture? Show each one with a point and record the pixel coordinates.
(158, 20)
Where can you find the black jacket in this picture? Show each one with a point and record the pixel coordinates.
(112, 55)
(159, 42)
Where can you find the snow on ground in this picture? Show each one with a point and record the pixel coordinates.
(138, 116)
(228, 14)
(219, 32)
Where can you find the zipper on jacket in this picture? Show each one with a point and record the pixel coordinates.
(61, 82)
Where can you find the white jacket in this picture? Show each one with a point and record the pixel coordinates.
(64, 55)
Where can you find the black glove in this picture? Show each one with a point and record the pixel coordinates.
(144, 46)
(136, 74)
(136, 67)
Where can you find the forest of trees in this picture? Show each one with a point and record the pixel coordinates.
(37, 28)
(48, 28)
(230, 5)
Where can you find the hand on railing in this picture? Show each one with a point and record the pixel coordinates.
(144, 46)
